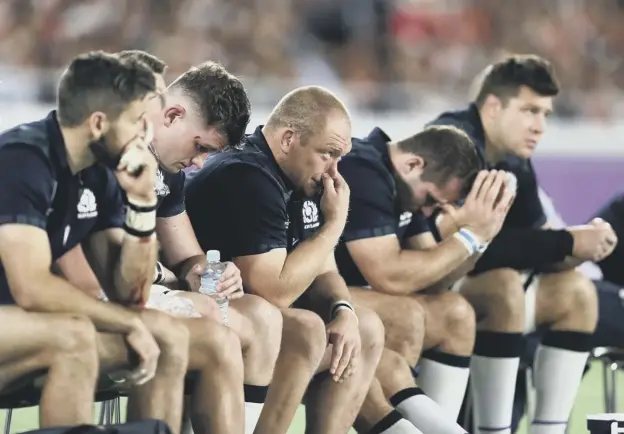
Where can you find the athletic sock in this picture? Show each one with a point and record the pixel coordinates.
(424, 413)
(494, 368)
(393, 423)
(443, 377)
(254, 402)
(557, 372)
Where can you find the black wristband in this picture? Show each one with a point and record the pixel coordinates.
(139, 208)
(339, 304)
(139, 234)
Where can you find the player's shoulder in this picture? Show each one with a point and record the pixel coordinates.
(466, 119)
(30, 140)
(368, 157)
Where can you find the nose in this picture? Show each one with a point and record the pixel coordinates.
(332, 170)
(539, 124)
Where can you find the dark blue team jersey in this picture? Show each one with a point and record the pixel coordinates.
(241, 203)
(170, 193)
(526, 211)
(374, 210)
(39, 189)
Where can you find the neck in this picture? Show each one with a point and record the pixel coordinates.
(394, 153)
(494, 153)
(79, 156)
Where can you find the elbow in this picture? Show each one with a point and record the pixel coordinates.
(24, 296)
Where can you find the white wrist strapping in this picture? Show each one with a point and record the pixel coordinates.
(470, 241)
(140, 219)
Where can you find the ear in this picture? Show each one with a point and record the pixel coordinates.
(98, 125)
(288, 139)
(491, 106)
(173, 113)
(415, 162)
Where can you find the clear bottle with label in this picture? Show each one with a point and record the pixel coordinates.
(210, 279)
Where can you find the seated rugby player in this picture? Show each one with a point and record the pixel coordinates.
(204, 110)
(277, 209)
(391, 263)
(526, 277)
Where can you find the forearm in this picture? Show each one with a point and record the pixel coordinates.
(306, 262)
(416, 270)
(134, 269)
(327, 289)
(450, 279)
(526, 249)
(55, 295)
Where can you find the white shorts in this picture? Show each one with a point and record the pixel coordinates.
(163, 299)
(530, 299)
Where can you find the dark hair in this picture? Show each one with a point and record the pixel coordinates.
(505, 78)
(448, 153)
(221, 98)
(98, 81)
(157, 65)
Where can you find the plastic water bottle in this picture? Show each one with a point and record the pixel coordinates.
(210, 279)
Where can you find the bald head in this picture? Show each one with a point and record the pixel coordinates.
(306, 111)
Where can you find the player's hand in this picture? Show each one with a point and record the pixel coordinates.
(335, 200)
(486, 206)
(136, 171)
(344, 335)
(144, 345)
(230, 284)
(594, 241)
(191, 278)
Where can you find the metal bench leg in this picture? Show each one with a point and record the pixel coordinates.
(614, 367)
(7, 421)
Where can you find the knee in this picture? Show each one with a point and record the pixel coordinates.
(505, 292)
(219, 344)
(459, 316)
(171, 335)
(581, 296)
(76, 335)
(267, 321)
(304, 332)
(405, 328)
(371, 334)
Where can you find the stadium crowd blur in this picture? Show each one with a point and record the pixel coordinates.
(428, 49)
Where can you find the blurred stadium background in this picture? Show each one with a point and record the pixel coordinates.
(396, 63)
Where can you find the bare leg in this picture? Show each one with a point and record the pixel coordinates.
(303, 346)
(65, 346)
(161, 397)
(217, 404)
(332, 407)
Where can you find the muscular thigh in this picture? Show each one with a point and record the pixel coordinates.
(401, 316)
(28, 341)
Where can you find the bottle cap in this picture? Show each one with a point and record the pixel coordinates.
(213, 256)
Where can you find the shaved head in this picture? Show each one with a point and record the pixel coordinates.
(306, 110)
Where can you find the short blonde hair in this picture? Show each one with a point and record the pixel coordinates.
(306, 110)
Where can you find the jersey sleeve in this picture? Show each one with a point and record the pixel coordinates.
(173, 203)
(252, 209)
(27, 186)
(113, 209)
(371, 207)
(418, 225)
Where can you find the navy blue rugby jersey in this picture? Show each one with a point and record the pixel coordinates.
(374, 210)
(39, 189)
(241, 203)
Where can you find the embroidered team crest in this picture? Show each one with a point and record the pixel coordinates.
(310, 215)
(161, 188)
